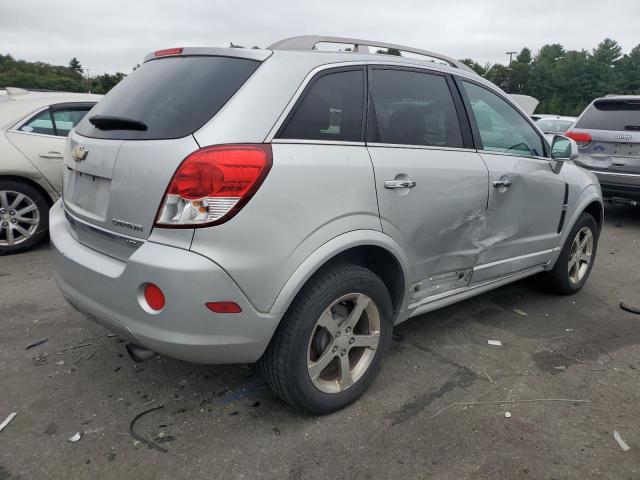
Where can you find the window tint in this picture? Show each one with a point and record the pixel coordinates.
(172, 96)
(41, 123)
(331, 109)
(502, 127)
(66, 119)
(612, 115)
(414, 109)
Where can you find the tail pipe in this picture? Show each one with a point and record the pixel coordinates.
(139, 354)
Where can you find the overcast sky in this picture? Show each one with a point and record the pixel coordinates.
(114, 35)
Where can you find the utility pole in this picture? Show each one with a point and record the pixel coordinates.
(511, 54)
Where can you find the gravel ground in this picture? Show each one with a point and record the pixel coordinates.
(222, 421)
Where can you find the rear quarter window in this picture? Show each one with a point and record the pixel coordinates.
(620, 115)
(172, 96)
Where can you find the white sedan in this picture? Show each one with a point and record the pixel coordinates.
(33, 131)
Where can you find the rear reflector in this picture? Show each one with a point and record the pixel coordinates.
(581, 138)
(212, 184)
(224, 307)
(167, 51)
(154, 297)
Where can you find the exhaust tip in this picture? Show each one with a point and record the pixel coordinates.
(139, 354)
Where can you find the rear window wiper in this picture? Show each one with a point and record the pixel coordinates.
(632, 127)
(108, 122)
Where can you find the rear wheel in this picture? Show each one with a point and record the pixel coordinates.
(332, 340)
(24, 216)
(575, 262)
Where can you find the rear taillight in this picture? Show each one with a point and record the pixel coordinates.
(212, 184)
(581, 138)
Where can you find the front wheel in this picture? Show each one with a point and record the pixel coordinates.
(332, 340)
(575, 262)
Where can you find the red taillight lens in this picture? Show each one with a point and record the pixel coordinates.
(224, 307)
(167, 51)
(213, 184)
(581, 138)
(154, 297)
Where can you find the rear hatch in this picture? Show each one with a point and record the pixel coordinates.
(608, 135)
(121, 157)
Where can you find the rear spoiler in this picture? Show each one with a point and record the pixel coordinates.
(248, 53)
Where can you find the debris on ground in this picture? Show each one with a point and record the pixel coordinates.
(41, 359)
(91, 355)
(621, 442)
(256, 404)
(630, 308)
(496, 343)
(6, 421)
(75, 437)
(60, 363)
(111, 456)
(498, 402)
(562, 368)
(520, 312)
(83, 344)
(507, 414)
(141, 438)
(276, 430)
(110, 335)
(36, 343)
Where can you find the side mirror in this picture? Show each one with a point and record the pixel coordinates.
(563, 148)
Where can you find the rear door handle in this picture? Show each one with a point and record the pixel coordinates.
(504, 182)
(399, 184)
(51, 155)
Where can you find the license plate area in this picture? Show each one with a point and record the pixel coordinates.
(87, 194)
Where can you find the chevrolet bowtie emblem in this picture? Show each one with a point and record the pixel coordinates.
(80, 153)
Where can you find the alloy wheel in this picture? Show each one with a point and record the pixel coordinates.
(580, 255)
(343, 343)
(19, 218)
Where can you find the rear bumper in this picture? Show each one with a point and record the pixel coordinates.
(614, 184)
(109, 290)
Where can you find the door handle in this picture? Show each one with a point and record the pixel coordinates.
(399, 184)
(504, 182)
(51, 155)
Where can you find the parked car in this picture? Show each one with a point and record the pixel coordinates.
(312, 200)
(608, 138)
(33, 130)
(556, 125)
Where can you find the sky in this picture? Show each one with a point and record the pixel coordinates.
(114, 35)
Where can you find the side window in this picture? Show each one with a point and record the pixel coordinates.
(41, 123)
(502, 128)
(331, 109)
(66, 119)
(414, 108)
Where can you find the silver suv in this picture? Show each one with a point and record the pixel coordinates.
(290, 205)
(608, 138)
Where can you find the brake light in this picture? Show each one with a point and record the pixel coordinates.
(167, 51)
(581, 138)
(213, 184)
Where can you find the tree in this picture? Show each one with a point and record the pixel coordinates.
(75, 67)
(476, 67)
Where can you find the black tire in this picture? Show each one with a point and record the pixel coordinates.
(558, 279)
(284, 364)
(10, 187)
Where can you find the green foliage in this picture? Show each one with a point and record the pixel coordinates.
(43, 76)
(566, 81)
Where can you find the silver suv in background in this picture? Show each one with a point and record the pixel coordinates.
(608, 138)
(290, 205)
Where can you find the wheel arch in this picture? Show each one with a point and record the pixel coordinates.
(33, 183)
(368, 248)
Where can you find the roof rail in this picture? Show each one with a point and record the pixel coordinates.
(309, 42)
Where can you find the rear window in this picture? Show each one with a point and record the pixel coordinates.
(611, 115)
(172, 96)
